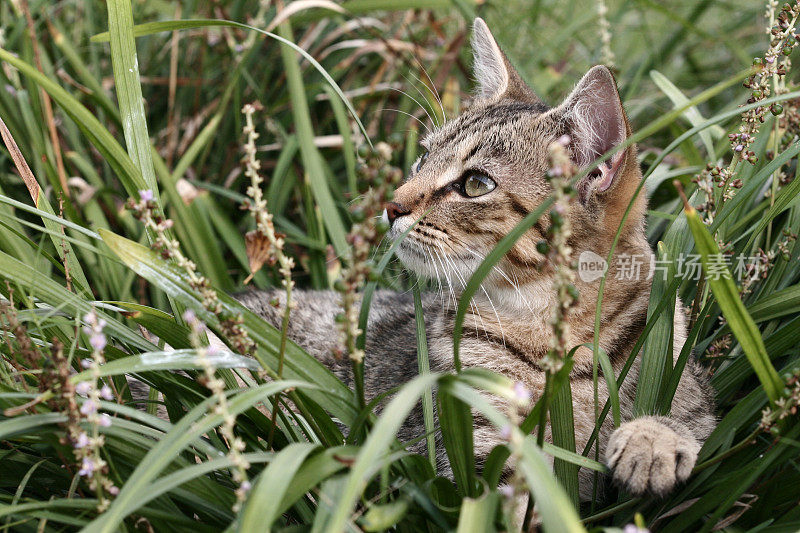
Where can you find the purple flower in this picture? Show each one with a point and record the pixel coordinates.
(87, 467)
(506, 490)
(146, 195)
(245, 486)
(83, 388)
(505, 432)
(82, 441)
(738, 148)
(98, 341)
(106, 393)
(90, 317)
(189, 316)
(113, 490)
(86, 363)
(89, 407)
(105, 420)
(522, 393)
(564, 140)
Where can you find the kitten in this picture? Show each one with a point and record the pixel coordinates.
(481, 174)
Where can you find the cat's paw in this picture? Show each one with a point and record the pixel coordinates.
(647, 456)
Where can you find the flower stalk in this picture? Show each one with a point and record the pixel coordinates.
(87, 446)
(231, 325)
(217, 387)
(365, 234)
(606, 54)
(559, 254)
(767, 81)
(264, 238)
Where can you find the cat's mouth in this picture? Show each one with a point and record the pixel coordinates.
(431, 252)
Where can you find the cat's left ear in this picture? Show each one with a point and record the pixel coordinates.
(596, 123)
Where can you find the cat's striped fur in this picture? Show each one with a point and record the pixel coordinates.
(505, 135)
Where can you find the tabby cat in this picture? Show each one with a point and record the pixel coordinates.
(481, 174)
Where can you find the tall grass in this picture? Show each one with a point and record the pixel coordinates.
(155, 106)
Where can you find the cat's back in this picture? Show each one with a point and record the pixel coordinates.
(391, 349)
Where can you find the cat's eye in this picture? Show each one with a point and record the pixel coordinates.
(477, 184)
(421, 162)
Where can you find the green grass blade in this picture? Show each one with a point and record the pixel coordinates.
(297, 364)
(740, 321)
(172, 25)
(554, 506)
(368, 461)
(455, 420)
(263, 504)
(29, 423)
(477, 514)
(312, 159)
(657, 355)
(191, 426)
(563, 427)
(184, 359)
(574, 458)
(105, 143)
(129, 90)
(692, 114)
(425, 369)
(611, 383)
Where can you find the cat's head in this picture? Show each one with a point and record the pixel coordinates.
(483, 171)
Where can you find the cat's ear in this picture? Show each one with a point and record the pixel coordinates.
(596, 123)
(495, 76)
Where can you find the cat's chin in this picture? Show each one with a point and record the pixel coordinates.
(429, 263)
(414, 259)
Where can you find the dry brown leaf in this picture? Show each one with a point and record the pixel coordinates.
(259, 252)
(19, 161)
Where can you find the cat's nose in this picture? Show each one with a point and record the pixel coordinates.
(394, 210)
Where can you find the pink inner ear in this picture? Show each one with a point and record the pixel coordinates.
(608, 170)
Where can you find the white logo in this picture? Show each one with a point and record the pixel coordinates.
(591, 266)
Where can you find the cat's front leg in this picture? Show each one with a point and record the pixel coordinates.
(651, 454)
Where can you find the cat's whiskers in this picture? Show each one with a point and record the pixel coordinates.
(438, 277)
(489, 298)
(434, 92)
(446, 280)
(502, 334)
(472, 304)
(410, 115)
(432, 86)
(378, 247)
(425, 98)
(449, 283)
(480, 257)
(416, 102)
(425, 251)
